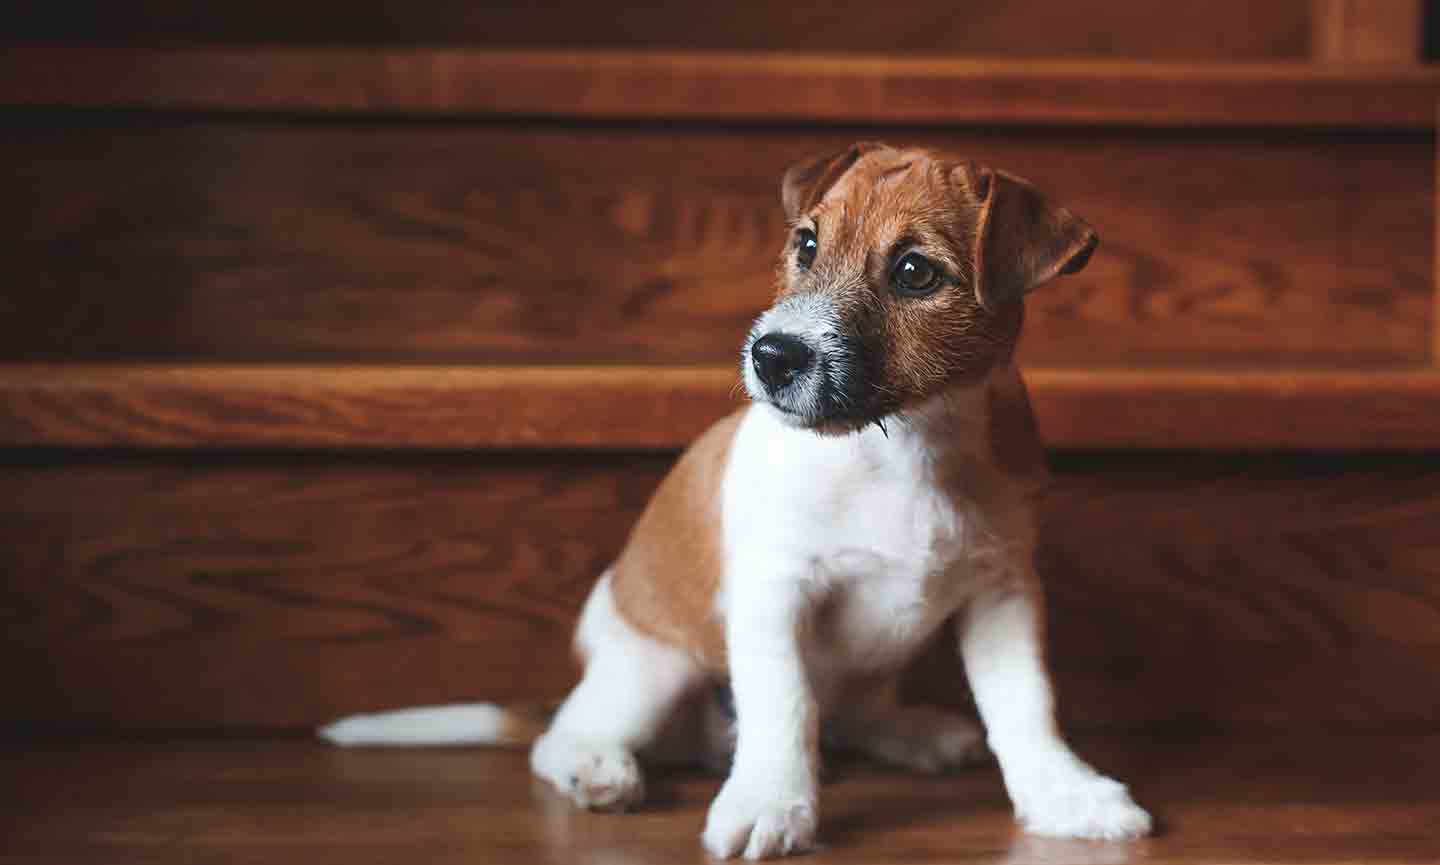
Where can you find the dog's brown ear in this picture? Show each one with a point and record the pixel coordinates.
(807, 181)
(1021, 240)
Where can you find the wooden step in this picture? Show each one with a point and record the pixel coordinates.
(716, 86)
(445, 407)
(273, 590)
(131, 238)
(1293, 797)
(1193, 29)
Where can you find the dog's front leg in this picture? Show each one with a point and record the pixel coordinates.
(767, 806)
(1055, 792)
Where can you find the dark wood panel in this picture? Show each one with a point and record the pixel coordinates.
(1354, 31)
(451, 407)
(1299, 798)
(537, 243)
(834, 88)
(266, 591)
(263, 594)
(1198, 29)
(1183, 586)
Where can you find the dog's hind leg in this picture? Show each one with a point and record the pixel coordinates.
(700, 734)
(921, 738)
(630, 688)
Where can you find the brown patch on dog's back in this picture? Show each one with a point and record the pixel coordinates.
(666, 579)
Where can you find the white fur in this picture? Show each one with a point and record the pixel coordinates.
(1055, 793)
(841, 556)
(630, 686)
(871, 529)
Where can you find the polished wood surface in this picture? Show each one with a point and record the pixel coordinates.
(229, 591)
(1366, 31)
(340, 348)
(620, 407)
(1290, 798)
(1190, 29)
(1315, 409)
(871, 88)
(366, 407)
(533, 243)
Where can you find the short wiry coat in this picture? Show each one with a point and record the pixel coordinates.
(805, 547)
(866, 205)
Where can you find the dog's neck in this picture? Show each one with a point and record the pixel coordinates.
(946, 430)
(953, 422)
(976, 438)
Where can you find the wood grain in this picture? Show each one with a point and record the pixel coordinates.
(1298, 798)
(1193, 29)
(265, 591)
(871, 88)
(431, 407)
(1366, 31)
(259, 593)
(1217, 409)
(533, 243)
(362, 407)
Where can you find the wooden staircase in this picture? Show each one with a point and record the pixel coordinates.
(333, 368)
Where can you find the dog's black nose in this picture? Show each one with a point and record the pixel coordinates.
(778, 358)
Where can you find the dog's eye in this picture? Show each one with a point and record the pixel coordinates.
(805, 248)
(916, 275)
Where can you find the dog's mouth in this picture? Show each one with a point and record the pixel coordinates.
(805, 363)
(814, 402)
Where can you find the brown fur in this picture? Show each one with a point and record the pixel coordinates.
(1015, 443)
(665, 580)
(993, 235)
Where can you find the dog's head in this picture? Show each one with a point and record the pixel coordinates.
(903, 274)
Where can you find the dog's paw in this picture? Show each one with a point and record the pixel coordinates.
(1092, 807)
(759, 824)
(600, 778)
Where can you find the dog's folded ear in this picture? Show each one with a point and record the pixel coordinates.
(1021, 240)
(807, 181)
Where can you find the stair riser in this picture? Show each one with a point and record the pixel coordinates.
(485, 242)
(275, 591)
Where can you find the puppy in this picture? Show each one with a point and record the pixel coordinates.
(804, 548)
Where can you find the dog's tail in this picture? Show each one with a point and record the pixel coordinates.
(454, 724)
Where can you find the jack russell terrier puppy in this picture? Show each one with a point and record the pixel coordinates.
(805, 547)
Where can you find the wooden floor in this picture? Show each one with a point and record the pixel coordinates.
(1281, 799)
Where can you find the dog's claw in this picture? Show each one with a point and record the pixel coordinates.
(759, 825)
(1096, 808)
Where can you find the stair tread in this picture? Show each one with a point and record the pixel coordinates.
(717, 86)
(1288, 797)
(628, 407)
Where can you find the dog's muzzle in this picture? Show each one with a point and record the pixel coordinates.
(800, 361)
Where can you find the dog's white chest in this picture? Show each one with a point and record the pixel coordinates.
(860, 518)
(891, 579)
